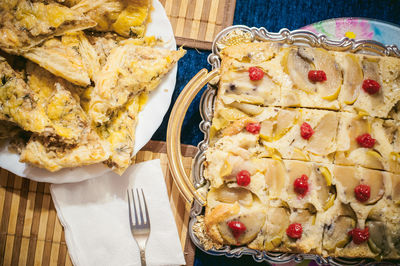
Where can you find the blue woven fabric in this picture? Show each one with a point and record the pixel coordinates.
(273, 15)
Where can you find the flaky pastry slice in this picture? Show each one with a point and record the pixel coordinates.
(25, 24)
(71, 57)
(60, 104)
(77, 56)
(127, 18)
(19, 103)
(72, 142)
(130, 70)
(45, 152)
(120, 134)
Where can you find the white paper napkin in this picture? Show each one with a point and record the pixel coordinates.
(94, 214)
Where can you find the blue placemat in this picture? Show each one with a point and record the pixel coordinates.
(274, 15)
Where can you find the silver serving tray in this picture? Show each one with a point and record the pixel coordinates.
(286, 37)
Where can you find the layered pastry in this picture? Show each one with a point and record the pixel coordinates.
(304, 153)
(25, 24)
(127, 18)
(75, 78)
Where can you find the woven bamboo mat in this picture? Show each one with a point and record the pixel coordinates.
(30, 232)
(197, 22)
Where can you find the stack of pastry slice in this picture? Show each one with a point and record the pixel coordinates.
(88, 74)
(304, 152)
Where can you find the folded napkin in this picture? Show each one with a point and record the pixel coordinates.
(94, 214)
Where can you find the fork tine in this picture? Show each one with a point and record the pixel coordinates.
(145, 208)
(134, 206)
(140, 207)
(140, 229)
(130, 209)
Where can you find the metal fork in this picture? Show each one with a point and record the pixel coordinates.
(140, 228)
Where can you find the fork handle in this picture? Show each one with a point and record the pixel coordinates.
(143, 257)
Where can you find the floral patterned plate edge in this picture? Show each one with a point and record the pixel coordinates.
(357, 28)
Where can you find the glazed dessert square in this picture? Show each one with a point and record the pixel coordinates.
(282, 134)
(298, 89)
(383, 155)
(357, 69)
(229, 155)
(235, 84)
(380, 213)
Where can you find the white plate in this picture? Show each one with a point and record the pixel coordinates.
(149, 119)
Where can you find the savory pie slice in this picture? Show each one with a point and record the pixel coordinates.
(19, 103)
(49, 153)
(78, 57)
(127, 18)
(71, 141)
(25, 24)
(69, 3)
(103, 44)
(130, 69)
(60, 103)
(119, 132)
(71, 57)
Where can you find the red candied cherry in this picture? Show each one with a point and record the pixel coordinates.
(316, 75)
(255, 73)
(294, 231)
(370, 86)
(243, 178)
(237, 228)
(362, 192)
(253, 128)
(306, 131)
(366, 141)
(359, 235)
(300, 185)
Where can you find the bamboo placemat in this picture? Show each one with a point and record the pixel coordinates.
(197, 22)
(30, 232)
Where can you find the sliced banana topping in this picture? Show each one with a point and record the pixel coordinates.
(336, 233)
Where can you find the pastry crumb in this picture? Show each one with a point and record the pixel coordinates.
(200, 232)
